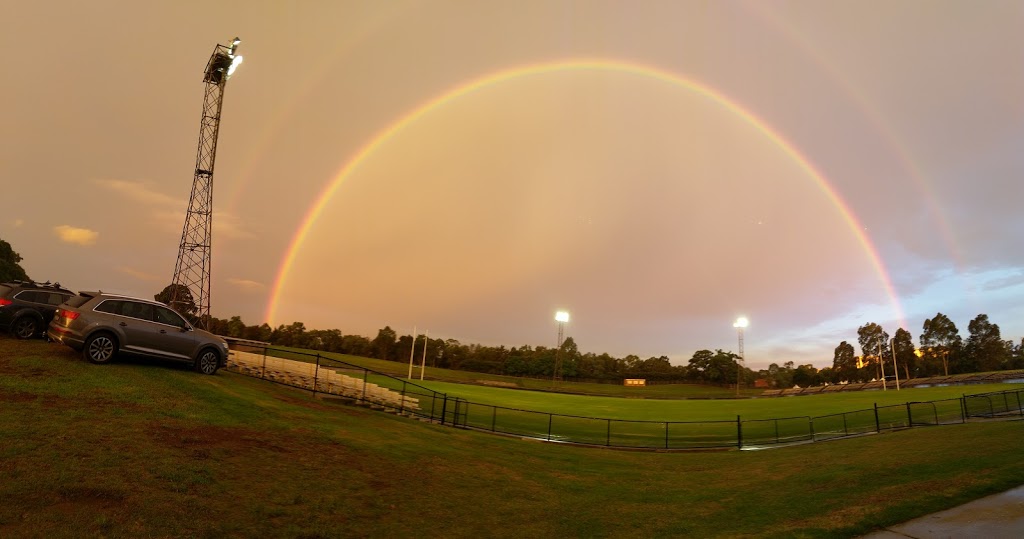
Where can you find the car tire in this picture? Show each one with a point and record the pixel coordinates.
(100, 348)
(24, 328)
(208, 361)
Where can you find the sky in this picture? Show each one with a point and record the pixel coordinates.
(656, 169)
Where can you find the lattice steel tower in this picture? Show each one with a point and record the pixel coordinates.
(191, 282)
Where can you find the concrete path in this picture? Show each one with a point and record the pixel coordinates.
(995, 517)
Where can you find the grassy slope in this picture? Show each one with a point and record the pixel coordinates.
(134, 449)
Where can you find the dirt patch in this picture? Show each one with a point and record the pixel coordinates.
(17, 396)
(496, 383)
(200, 440)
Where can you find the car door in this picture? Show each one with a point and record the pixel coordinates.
(174, 335)
(136, 323)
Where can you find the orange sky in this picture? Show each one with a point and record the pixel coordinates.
(652, 213)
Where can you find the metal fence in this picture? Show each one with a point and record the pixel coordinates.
(337, 379)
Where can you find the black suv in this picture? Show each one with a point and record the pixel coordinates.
(26, 307)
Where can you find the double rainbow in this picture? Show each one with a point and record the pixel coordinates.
(614, 66)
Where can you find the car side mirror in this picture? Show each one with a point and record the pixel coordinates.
(186, 328)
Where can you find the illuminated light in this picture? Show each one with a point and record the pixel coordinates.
(741, 322)
(614, 66)
(562, 316)
(235, 62)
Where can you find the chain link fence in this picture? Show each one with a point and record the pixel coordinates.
(337, 379)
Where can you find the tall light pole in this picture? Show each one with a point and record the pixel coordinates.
(740, 323)
(190, 285)
(561, 317)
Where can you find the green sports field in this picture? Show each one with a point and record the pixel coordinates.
(137, 449)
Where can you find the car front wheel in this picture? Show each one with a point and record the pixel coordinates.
(100, 348)
(24, 328)
(208, 362)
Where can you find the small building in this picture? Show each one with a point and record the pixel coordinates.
(634, 382)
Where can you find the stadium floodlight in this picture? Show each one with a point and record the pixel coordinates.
(739, 324)
(235, 62)
(561, 317)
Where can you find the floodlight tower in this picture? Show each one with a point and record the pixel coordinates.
(740, 323)
(192, 269)
(561, 317)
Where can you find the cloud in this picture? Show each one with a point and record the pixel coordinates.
(80, 236)
(170, 211)
(246, 284)
(1003, 279)
(138, 274)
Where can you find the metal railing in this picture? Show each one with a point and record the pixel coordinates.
(401, 396)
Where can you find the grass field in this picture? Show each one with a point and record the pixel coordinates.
(400, 369)
(135, 449)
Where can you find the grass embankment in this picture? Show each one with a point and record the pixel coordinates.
(136, 449)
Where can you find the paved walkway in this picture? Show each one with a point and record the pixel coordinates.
(995, 517)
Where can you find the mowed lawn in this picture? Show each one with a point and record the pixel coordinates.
(137, 449)
(705, 409)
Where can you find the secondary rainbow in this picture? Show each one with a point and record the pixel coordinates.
(615, 66)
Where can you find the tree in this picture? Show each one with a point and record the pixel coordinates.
(806, 376)
(874, 345)
(844, 365)
(985, 349)
(699, 364)
(903, 344)
(236, 328)
(185, 304)
(10, 270)
(384, 343)
(940, 341)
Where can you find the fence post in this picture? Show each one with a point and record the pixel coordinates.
(963, 408)
(910, 417)
(366, 374)
(608, 439)
(776, 431)
(810, 422)
(846, 430)
(1019, 408)
(666, 435)
(878, 426)
(316, 373)
(401, 401)
(739, 433)
(550, 418)
(444, 408)
(263, 375)
(494, 418)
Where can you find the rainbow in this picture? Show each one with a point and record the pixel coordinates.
(395, 128)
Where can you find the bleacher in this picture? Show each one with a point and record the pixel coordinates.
(325, 379)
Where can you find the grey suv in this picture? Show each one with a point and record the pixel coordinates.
(103, 325)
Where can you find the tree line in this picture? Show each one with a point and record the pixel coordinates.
(941, 350)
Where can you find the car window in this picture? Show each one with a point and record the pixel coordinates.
(56, 298)
(31, 296)
(112, 306)
(169, 317)
(134, 309)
